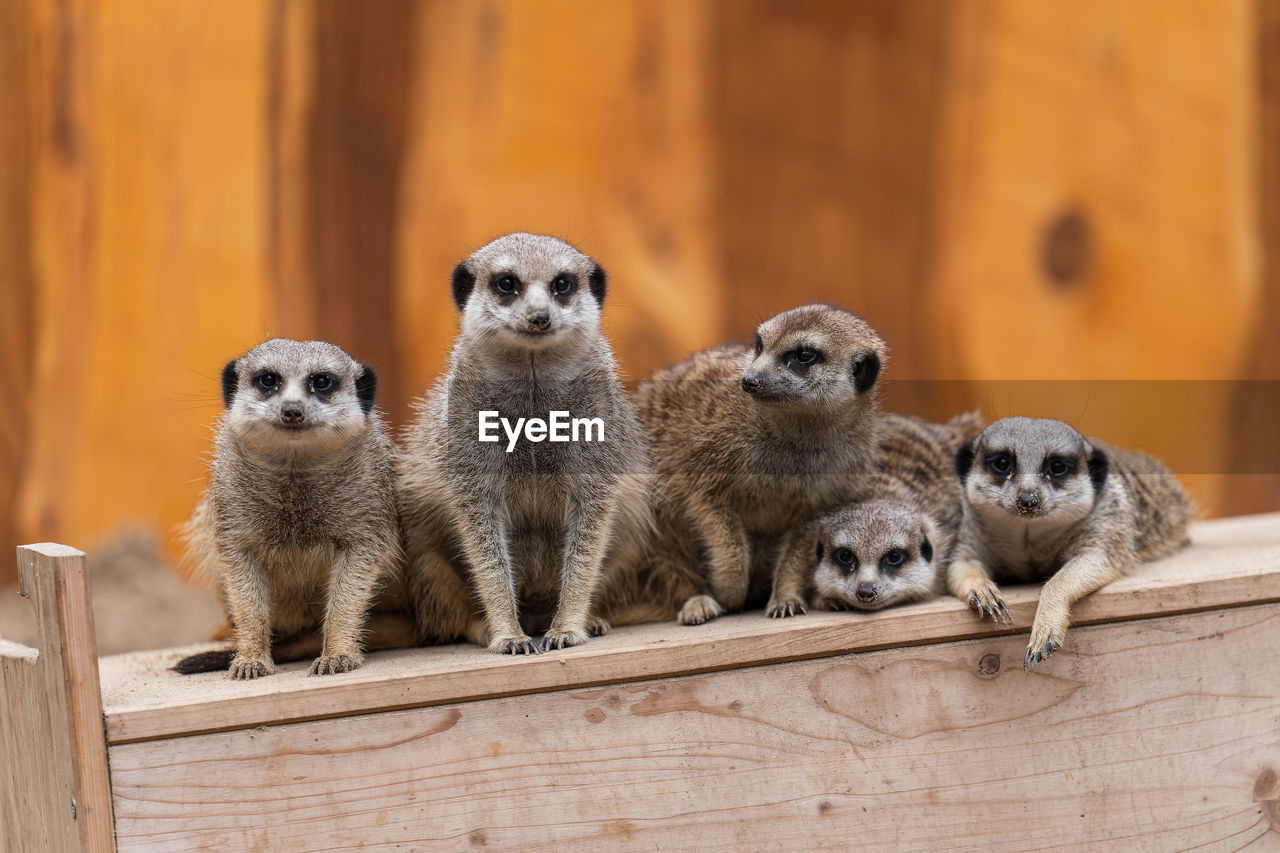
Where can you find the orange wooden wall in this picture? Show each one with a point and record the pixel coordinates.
(1057, 190)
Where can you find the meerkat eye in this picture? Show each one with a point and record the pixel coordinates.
(323, 383)
(844, 558)
(1058, 468)
(893, 559)
(267, 381)
(564, 284)
(1000, 463)
(759, 344)
(506, 284)
(802, 359)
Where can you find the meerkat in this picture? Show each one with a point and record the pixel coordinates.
(751, 445)
(508, 537)
(1042, 502)
(297, 528)
(894, 546)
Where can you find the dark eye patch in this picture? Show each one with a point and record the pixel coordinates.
(322, 383)
(505, 285)
(1001, 462)
(1059, 467)
(801, 359)
(845, 559)
(267, 381)
(893, 559)
(759, 344)
(564, 284)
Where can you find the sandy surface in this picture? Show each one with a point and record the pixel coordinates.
(139, 601)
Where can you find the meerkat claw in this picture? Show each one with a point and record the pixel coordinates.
(786, 609)
(518, 646)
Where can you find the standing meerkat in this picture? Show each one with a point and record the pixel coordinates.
(507, 533)
(298, 527)
(751, 445)
(1043, 502)
(894, 546)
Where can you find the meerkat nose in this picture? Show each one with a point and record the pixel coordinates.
(538, 319)
(1028, 502)
(291, 413)
(751, 383)
(866, 591)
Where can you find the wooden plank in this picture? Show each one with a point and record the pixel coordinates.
(1097, 169)
(1147, 735)
(1256, 411)
(52, 714)
(825, 127)
(17, 289)
(1232, 562)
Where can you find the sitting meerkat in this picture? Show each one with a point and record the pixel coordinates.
(298, 526)
(1042, 502)
(751, 445)
(894, 546)
(508, 535)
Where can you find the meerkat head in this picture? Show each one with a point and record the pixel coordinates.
(875, 554)
(814, 357)
(1036, 469)
(529, 291)
(287, 395)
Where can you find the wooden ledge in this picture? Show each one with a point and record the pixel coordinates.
(1231, 562)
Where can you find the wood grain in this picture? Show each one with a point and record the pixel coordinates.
(52, 715)
(1232, 562)
(1115, 746)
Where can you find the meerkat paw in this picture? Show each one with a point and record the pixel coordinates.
(784, 609)
(558, 639)
(598, 627)
(985, 598)
(699, 609)
(333, 664)
(1046, 638)
(520, 645)
(243, 669)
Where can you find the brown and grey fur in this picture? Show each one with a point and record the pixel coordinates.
(1042, 502)
(750, 448)
(503, 545)
(298, 527)
(894, 545)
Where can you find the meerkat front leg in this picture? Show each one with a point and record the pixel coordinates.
(484, 540)
(587, 535)
(791, 572)
(968, 580)
(728, 565)
(351, 586)
(1080, 576)
(248, 598)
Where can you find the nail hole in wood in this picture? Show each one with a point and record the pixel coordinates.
(989, 665)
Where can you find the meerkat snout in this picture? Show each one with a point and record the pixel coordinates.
(292, 414)
(866, 592)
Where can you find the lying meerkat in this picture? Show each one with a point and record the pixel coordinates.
(751, 445)
(508, 536)
(1042, 502)
(298, 527)
(894, 546)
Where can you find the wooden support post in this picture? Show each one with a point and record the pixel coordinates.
(55, 793)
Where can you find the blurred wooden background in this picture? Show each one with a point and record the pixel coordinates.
(1059, 190)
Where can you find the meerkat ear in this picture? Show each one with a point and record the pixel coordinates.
(926, 547)
(964, 460)
(229, 381)
(464, 281)
(366, 387)
(819, 549)
(864, 371)
(597, 280)
(1098, 466)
